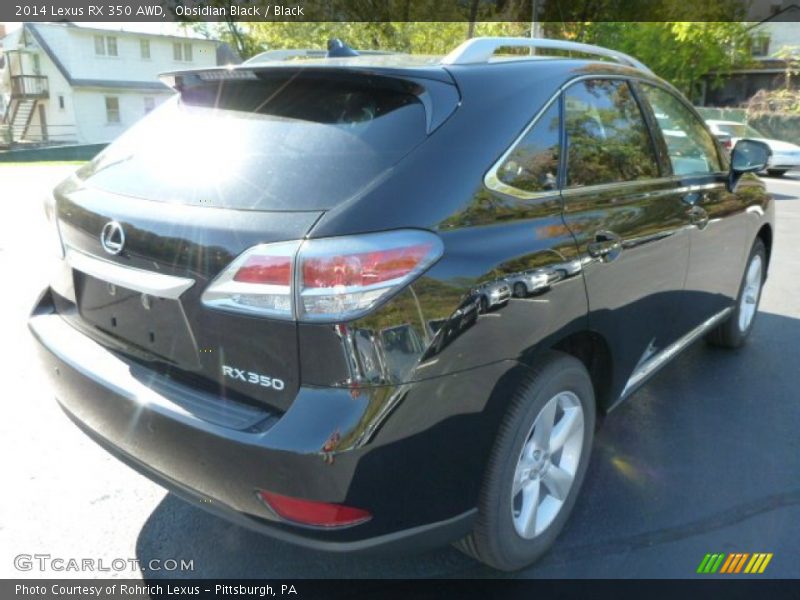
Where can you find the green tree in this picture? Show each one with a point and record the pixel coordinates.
(714, 41)
(680, 52)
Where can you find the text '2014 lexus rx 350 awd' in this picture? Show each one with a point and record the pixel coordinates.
(378, 301)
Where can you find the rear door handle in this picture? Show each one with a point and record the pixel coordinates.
(607, 246)
(698, 216)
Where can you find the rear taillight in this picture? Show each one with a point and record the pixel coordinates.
(316, 514)
(258, 282)
(331, 279)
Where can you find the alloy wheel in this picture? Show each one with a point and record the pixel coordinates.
(547, 465)
(748, 304)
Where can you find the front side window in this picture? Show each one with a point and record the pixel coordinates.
(112, 109)
(690, 146)
(533, 164)
(607, 138)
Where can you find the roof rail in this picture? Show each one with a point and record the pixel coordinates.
(480, 50)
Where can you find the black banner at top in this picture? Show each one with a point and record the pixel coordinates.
(548, 11)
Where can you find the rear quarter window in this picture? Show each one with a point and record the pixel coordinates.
(532, 165)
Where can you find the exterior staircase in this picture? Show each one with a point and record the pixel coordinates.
(20, 117)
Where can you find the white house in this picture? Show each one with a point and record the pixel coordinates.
(68, 84)
(775, 36)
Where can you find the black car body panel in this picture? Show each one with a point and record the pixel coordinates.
(396, 411)
(192, 241)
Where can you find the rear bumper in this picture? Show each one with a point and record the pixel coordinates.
(217, 460)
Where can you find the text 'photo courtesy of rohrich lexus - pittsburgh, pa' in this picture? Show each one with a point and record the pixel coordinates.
(380, 302)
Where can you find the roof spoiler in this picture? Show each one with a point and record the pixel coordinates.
(438, 96)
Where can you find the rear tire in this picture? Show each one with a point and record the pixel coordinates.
(520, 291)
(536, 467)
(734, 331)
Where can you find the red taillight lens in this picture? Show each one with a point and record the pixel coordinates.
(361, 269)
(317, 514)
(331, 279)
(258, 282)
(269, 270)
(344, 278)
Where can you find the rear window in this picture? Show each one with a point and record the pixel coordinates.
(274, 142)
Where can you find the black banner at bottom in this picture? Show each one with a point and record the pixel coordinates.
(305, 589)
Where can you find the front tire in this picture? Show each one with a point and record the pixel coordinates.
(734, 331)
(537, 465)
(776, 172)
(520, 291)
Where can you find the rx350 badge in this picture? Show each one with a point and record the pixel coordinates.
(253, 378)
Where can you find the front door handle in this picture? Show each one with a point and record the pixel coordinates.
(694, 198)
(607, 246)
(698, 216)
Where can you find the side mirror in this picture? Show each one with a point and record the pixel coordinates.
(747, 156)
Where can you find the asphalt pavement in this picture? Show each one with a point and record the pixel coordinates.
(704, 459)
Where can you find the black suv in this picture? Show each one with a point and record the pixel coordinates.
(286, 293)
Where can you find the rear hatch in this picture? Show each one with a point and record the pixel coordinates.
(238, 158)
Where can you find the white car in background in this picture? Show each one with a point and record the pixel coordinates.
(785, 156)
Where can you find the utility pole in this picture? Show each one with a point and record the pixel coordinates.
(536, 29)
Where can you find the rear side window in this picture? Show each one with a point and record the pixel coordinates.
(607, 138)
(275, 141)
(533, 164)
(690, 146)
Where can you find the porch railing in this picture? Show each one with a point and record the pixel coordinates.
(29, 86)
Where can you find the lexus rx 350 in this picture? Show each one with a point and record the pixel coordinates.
(268, 293)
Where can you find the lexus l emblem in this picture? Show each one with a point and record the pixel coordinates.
(112, 238)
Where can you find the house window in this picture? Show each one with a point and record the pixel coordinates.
(182, 52)
(61, 102)
(112, 109)
(111, 46)
(760, 45)
(144, 47)
(105, 45)
(149, 104)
